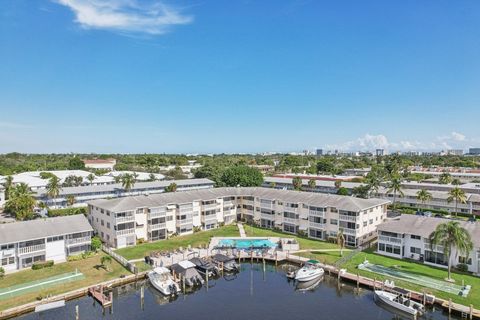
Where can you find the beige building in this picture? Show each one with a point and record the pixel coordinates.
(124, 221)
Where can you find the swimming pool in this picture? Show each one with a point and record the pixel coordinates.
(247, 243)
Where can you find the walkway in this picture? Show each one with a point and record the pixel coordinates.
(242, 230)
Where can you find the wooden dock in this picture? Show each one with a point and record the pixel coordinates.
(97, 292)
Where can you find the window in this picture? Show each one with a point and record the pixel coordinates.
(370, 221)
(7, 261)
(415, 237)
(364, 223)
(7, 246)
(52, 239)
(108, 225)
(465, 260)
(334, 221)
(415, 250)
(103, 223)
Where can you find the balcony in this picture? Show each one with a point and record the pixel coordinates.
(350, 231)
(316, 213)
(153, 215)
(184, 222)
(347, 218)
(390, 239)
(210, 217)
(317, 225)
(78, 240)
(30, 249)
(209, 206)
(124, 219)
(267, 216)
(290, 220)
(158, 226)
(125, 232)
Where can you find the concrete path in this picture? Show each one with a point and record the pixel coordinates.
(242, 230)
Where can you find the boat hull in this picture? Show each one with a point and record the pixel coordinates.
(304, 275)
(387, 298)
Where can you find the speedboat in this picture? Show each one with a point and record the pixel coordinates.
(161, 279)
(227, 263)
(311, 270)
(204, 267)
(308, 285)
(399, 302)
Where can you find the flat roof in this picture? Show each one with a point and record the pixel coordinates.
(42, 228)
(312, 198)
(424, 226)
(318, 183)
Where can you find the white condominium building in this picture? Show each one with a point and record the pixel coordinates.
(123, 221)
(408, 237)
(54, 239)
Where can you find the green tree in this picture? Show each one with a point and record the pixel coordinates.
(341, 240)
(128, 181)
(445, 178)
(374, 180)
(325, 165)
(95, 244)
(2, 272)
(53, 188)
(342, 191)
(424, 196)
(457, 195)
(8, 185)
(362, 191)
(172, 187)
(91, 178)
(451, 235)
(456, 182)
(76, 163)
(20, 202)
(152, 177)
(71, 200)
(106, 261)
(395, 186)
(338, 183)
(297, 183)
(242, 176)
(312, 184)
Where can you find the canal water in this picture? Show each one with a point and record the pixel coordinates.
(254, 293)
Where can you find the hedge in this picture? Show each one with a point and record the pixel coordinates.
(66, 211)
(41, 265)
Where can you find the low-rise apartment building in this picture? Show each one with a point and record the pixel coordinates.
(25, 243)
(408, 237)
(124, 221)
(83, 194)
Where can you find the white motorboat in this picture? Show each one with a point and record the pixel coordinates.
(399, 302)
(310, 271)
(162, 280)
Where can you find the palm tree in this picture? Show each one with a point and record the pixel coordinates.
(172, 187)
(445, 178)
(374, 180)
(457, 195)
(106, 260)
(152, 177)
(456, 182)
(71, 200)
(128, 181)
(91, 178)
(451, 235)
(424, 196)
(395, 186)
(53, 187)
(20, 202)
(341, 240)
(312, 184)
(297, 183)
(338, 183)
(117, 179)
(7, 185)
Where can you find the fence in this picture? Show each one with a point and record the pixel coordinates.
(124, 262)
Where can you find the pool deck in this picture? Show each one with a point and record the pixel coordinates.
(241, 230)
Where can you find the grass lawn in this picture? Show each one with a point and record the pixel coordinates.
(305, 243)
(89, 267)
(195, 240)
(324, 257)
(417, 268)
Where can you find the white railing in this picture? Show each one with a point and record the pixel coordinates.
(38, 247)
(316, 213)
(78, 240)
(160, 214)
(390, 239)
(350, 231)
(124, 219)
(125, 232)
(186, 210)
(267, 216)
(210, 217)
(157, 226)
(290, 220)
(209, 206)
(186, 221)
(316, 225)
(437, 248)
(347, 218)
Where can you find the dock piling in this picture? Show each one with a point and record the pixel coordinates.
(77, 313)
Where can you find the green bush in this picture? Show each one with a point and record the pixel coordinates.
(81, 256)
(42, 265)
(2, 272)
(66, 211)
(462, 267)
(96, 243)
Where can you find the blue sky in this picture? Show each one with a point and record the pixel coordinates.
(238, 76)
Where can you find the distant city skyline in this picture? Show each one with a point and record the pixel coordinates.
(238, 77)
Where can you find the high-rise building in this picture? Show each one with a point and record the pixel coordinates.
(380, 152)
(319, 152)
(455, 152)
(474, 151)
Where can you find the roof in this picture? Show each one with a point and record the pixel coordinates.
(318, 183)
(42, 228)
(99, 161)
(424, 226)
(138, 186)
(312, 198)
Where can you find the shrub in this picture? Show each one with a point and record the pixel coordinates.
(462, 267)
(2, 272)
(42, 265)
(96, 243)
(76, 257)
(67, 211)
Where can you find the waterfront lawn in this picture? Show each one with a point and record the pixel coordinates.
(305, 243)
(90, 267)
(197, 239)
(328, 257)
(417, 268)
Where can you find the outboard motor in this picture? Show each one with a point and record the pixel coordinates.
(173, 289)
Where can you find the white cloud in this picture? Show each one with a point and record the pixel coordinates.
(458, 136)
(131, 16)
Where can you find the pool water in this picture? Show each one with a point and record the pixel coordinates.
(247, 243)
